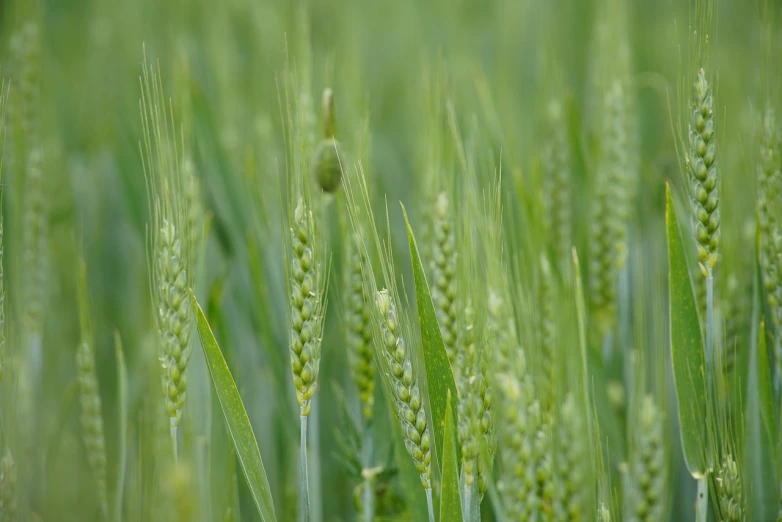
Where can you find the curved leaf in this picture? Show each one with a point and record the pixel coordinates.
(450, 503)
(439, 376)
(688, 359)
(236, 419)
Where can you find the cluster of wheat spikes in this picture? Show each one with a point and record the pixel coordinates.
(575, 315)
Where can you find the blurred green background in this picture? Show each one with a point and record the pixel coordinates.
(221, 63)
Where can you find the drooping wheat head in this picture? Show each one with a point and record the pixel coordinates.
(648, 481)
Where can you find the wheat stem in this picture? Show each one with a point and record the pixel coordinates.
(369, 493)
(304, 472)
(430, 504)
(702, 500)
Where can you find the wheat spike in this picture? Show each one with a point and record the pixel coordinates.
(648, 482)
(730, 493)
(702, 173)
(358, 326)
(403, 384)
(443, 270)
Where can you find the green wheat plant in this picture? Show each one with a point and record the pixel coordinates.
(171, 249)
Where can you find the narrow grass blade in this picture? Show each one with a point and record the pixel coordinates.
(450, 502)
(439, 376)
(122, 399)
(760, 437)
(236, 419)
(689, 365)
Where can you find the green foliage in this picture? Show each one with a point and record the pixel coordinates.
(236, 419)
(439, 377)
(687, 356)
(450, 501)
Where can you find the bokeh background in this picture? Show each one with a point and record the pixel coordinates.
(221, 63)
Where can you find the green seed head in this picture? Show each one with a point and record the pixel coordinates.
(326, 166)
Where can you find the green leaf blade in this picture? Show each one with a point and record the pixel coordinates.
(122, 401)
(439, 376)
(450, 503)
(687, 355)
(760, 450)
(236, 419)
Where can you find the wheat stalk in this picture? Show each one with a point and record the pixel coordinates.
(171, 249)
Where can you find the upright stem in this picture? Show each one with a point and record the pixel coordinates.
(304, 475)
(702, 501)
(369, 493)
(711, 397)
(173, 429)
(430, 504)
(316, 501)
(467, 501)
(710, 330)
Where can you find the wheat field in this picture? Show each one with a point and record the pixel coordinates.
(449, 261)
